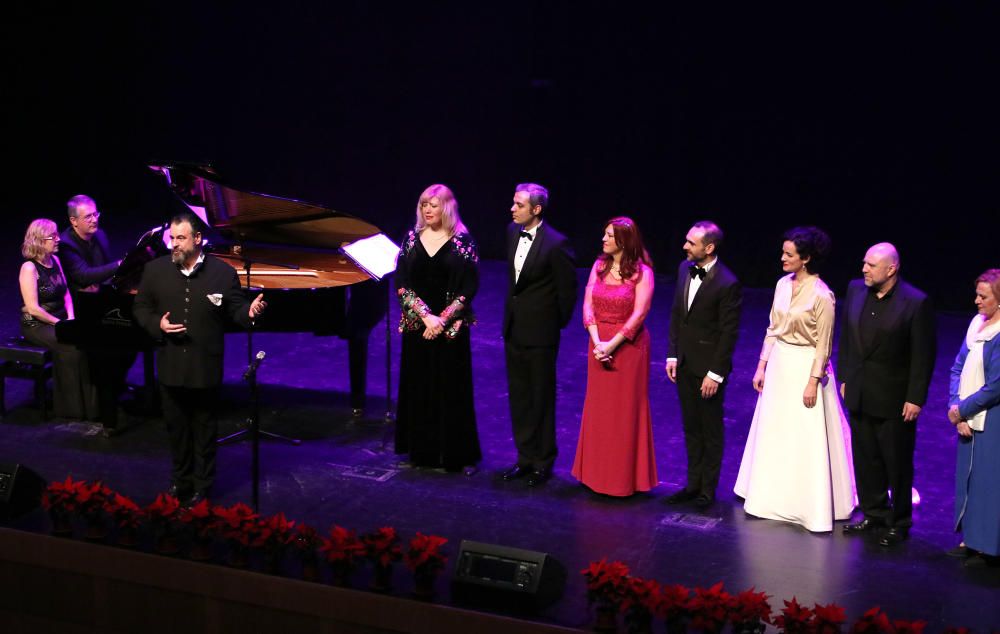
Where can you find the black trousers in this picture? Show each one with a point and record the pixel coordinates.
(72, 381)
(883, 460)
(531, 383)
(109, 369)
(703, 432)
(193, 428)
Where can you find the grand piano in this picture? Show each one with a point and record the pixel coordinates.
(292, 250)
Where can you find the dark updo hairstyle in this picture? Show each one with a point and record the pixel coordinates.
(812, 243)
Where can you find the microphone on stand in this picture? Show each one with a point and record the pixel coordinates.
(252, 369)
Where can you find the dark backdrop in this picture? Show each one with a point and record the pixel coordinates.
(874, 121)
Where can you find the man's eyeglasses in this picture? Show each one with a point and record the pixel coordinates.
(89, 217)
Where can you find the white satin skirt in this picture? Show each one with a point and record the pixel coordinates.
(797, 462)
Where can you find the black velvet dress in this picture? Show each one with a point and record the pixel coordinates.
(73, 391)
(436, 419)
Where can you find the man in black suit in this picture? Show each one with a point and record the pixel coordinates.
(704, 325)
(540, 302)
(887, 349)
(184, 302)
(84, 249)
(86, 258)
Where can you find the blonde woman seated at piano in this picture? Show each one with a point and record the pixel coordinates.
(46, 302)
(436, 278)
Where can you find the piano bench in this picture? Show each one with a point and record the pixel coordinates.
(20, 359)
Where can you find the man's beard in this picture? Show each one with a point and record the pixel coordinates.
(177, 256)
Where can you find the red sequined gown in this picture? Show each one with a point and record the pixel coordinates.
(614, 455)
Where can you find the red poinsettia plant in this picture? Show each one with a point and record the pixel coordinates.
(62, 496)
(749, 611)
(794, 618)
(237, 524)
(424, 555)
(709, 608)
(200, 519)
(607, 581)
(90, 498)
(873, 621)
(305, 541)
(828, 619)
(164, 509)
(342, 547)
(671, 603)
(382, 547)
(639, 602)
(276, 532)
(124, 511)
(908, 627)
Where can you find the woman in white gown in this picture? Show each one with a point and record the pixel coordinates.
(797, 464)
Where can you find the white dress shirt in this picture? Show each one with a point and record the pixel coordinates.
(695, 284)
(523, 246)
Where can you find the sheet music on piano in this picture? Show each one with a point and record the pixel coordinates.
(375, 255)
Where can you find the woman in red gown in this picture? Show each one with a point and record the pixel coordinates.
(614, 455)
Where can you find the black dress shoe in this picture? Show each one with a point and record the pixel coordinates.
(863, 526)
(960, 551)
(894, 536)
(684, 495)
(704, 501)
(515, 472)
(538, 477)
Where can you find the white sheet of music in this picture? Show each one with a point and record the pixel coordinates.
(375, 254)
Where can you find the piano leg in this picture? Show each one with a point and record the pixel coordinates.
(357, 355)
(366, 307)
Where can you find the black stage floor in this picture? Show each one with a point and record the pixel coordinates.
(304, 394)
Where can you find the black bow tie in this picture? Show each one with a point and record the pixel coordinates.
(697, 271)
(529, 236)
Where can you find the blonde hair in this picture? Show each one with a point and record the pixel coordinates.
(450, 220)
(33, 246)
(991, 277)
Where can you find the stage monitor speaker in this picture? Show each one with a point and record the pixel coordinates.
(505, 578)
(20, 490)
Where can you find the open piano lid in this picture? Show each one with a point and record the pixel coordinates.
(272, 232)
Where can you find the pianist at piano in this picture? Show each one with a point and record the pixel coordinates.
(86, 254)
(86, 257)
(47, 302)
(184, 302)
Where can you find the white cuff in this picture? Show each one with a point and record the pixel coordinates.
(715, 377)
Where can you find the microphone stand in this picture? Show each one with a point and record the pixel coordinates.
(253, 420)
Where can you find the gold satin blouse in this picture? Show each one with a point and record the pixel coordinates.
(802, 318)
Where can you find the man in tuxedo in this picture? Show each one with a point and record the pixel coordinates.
(184, 302)
(887, 349)
(704, 325)
(86, 256)
(540, 301)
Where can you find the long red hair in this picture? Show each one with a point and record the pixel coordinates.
(629, 240)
